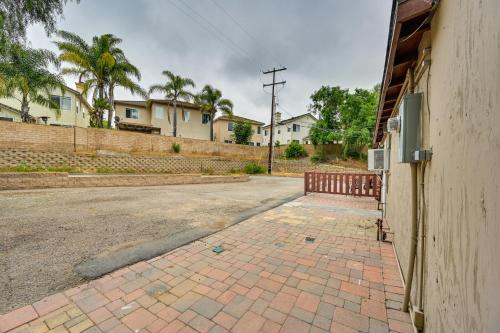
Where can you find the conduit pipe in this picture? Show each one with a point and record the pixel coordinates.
(414, 220)
(422, 237)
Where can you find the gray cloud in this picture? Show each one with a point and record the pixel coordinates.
(334, 42)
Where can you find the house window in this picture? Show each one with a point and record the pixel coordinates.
(230, 126)
(187, 116)
(258, 129)
(159, 112)
(64, 102)
(77, 103)
(205, 118)
(131, 113)
(228, 141)
(265, 132)
(288, 129)
(251, 144)
(258, 144)
(279, 131)
(296, 128)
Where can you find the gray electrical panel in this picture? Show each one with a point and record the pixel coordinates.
(409, 128)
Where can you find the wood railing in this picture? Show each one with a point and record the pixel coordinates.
(356, 184)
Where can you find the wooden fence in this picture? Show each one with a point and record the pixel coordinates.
(356, 184)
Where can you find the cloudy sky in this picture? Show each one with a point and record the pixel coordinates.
(227, 43)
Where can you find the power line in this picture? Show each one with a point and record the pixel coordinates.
(217, 30)
(242, 28)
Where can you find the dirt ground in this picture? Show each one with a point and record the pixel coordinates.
(45, 234)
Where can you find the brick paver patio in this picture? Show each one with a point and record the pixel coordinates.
(268, 279)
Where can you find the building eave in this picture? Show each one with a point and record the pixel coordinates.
(409, 20)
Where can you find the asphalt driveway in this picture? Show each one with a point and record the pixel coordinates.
(54, 239)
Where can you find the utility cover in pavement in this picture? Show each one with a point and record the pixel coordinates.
(218, 249)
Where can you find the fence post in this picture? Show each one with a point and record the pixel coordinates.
(305, 183)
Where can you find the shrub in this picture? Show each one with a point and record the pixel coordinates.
(176, 147)
(277, 143)
(254, 168)
(242, 132)
(295, 150)
(319, 155)
(207, 171)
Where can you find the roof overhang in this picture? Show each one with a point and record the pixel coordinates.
(144, 104)
(409, 21)
(239, 118)
(138, 128)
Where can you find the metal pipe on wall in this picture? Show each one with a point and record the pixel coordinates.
(414, 217)
(414, 231)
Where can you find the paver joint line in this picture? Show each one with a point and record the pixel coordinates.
(343, 281)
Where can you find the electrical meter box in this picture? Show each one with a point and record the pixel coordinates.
(409, 127)
(378, 159)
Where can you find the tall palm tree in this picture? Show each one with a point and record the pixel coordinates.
(93, 64)
(26, 78)
(122, 74)
(174, 90)
(210, 101)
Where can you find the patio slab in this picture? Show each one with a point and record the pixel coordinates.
(311, 265)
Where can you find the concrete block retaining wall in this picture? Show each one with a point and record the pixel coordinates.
(17, 181)
(147, 164)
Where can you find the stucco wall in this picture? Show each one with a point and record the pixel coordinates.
(282, 134)
(192, 128)
(221, 132)
(66, 117)
(462, 183)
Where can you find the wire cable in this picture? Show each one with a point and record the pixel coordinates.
(217, 30)
(242, 28)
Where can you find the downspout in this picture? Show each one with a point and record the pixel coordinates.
(414, 221)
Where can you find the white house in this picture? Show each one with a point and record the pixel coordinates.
(294, 129)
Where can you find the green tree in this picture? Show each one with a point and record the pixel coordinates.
(358, 119)
(210, 101)
(16, 15)
(326, 104)
(175, 90)
(100, 66)
(344, 116)
(27, 79)
(242, 132)
(122, 74)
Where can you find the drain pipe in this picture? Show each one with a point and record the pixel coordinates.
(414, 221)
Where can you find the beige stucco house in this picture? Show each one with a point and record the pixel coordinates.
(74, 109)
(295, 129)
(223, 129)
(156, 117)
(447, 54)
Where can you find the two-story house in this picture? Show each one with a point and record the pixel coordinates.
(74, 109)
(295, 129)
(157, 117)
(223, 129)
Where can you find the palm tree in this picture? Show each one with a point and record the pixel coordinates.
(174, 90)
(121, 74)
(26, 78)
(93, 64)
(210, 101)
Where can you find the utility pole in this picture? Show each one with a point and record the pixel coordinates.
(273, 106)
